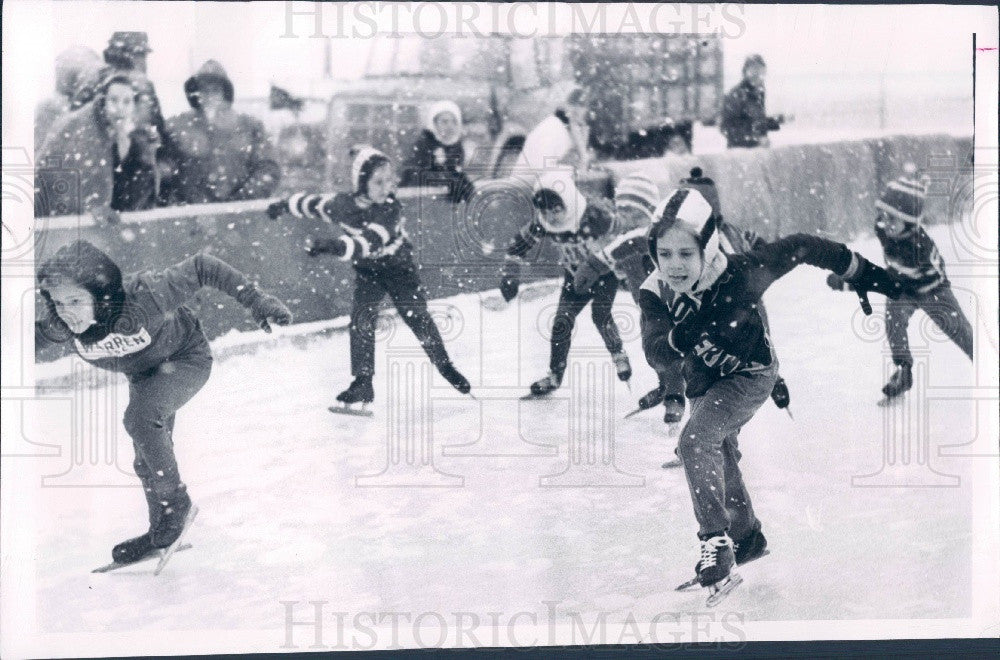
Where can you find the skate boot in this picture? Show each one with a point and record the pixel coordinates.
(132, 550)
(457, 380)
(900, 382)
(170, 523)
(622, 366)
(651, 399)
(779, 394)
(361, 390)
(673, 405)
(546, 385)
(717, 559)
(750, 547)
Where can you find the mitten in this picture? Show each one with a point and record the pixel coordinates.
(588, 273)
(335, 246)
(836, 282)
(266, 309)
(866, 277)
(510, 279)
(276, 209)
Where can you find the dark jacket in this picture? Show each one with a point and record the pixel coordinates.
(231, 158)
(78, 168)
(431, 162)
(912, 258)
(594, 230)
(371, 234)
(144, 321)
(719, 331)
(744, 118)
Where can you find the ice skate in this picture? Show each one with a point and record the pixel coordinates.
(132, 550)
(360, 392)
(715, 568)
(171, 519)
(545, 386)
(622, 366)
(673, 405)
(780, 396)
(452, 375)
(750, 547)
(650, 399)
(899, 384)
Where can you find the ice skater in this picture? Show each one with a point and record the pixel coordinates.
(704, 306)
(140, 326)
(579, 229)
(376, 244)
(913, 260)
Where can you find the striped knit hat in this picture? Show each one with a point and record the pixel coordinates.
(688, 209)
(904, 198)
(639, 192)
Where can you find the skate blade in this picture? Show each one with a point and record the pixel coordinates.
(634, 412)
(169, 552)
(535, 397)
(357, 412)
(720, 590)
(890, 401)
(673, 463)
(155, 554)
(684, 586)
(673, 429)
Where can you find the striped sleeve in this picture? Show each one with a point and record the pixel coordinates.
(313, 206)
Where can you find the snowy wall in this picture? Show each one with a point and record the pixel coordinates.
(827, 189)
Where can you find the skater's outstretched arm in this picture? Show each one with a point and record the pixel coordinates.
(171, 288)
(510, 276)
(361, 238)
(773, 260)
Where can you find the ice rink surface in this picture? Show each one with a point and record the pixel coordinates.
(289, 511)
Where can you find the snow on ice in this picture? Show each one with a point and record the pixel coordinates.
(284, 515)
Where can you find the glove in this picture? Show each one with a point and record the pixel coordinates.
(335, 246)
(588, 273)
(266, 309)
(870, 277)
(779, 394)
(276, 209)
(510, 280)
(836, 282)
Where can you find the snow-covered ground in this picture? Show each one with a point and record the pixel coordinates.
(285, 517)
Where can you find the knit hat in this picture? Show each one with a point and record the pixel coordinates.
(556, 188)
(211, 71)
(365, 162)
(449, 107)
(904, 198)
(756, 59)
(637, 191)
(706, 186)
(689, 210)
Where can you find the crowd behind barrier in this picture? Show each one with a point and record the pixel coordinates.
(826, 189)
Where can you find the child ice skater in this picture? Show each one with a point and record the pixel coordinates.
(140, 326)
(704, 306)
(579, 229)
(912, 259)
(376, 244)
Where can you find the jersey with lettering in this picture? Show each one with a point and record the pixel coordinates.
(595, 229)
(719, 332)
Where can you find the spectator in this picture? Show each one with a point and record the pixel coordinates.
(99, 157)
(127, 52)
(560, 138)
(744, 119)
(222, 155)
(438, 155)
(75, 66)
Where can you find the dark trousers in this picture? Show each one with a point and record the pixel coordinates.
(710, 452)
(154, 399)
(941, 306)
(602, 298)
(397, 276)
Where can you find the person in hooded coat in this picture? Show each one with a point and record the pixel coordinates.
(139, 326)
(579, 229)
(703, 306)
(74, 67)
(99, 157)
(374, 240)
(222, 155)
(437, 157)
